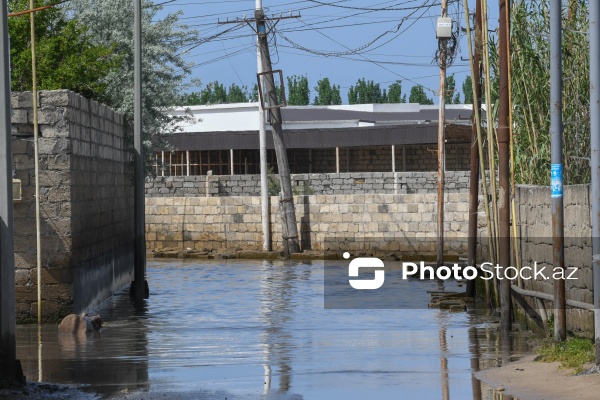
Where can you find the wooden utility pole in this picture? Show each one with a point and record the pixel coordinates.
(289, 228)
(441, 141)
(474, 174)
(504, 168)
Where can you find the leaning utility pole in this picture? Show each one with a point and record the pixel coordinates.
(504, 167)
(594, 36)
(442, 40)
(556, 171)
(286, 203)
(9, 366)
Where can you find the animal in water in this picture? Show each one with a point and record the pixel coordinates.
(82, 323)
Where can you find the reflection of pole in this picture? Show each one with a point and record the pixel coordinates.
(595, 160)
(556, 183)
(8, 347)
(36, 161)
(262, 136)
(441, 144)
(444, 364)
(140, 240)
(474, 348)
(504, 168)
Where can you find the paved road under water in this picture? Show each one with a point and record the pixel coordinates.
(254, 329)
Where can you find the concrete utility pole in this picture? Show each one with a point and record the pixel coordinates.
(288, 216)
(10, 368)
(594, 35)
(474, 172)
(139, 283)
(504, 167)
(556, 171)
(441, 142)
(262, 136)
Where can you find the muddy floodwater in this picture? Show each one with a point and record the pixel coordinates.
(258, 329)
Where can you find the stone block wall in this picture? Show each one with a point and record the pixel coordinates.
(319, 184)
(535, 232)
(235, 222)
(85, 203)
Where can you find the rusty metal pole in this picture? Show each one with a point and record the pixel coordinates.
(556, 172)
(504, 169)
(441, 143)
(474, 174)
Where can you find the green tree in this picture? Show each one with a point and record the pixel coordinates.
(467, 89)
(236, 94)
(298, 91)
(254, 93)
(366, 92)
(418, 95)
(66, 56)
(110, 23)
(395, 93)
(327, 94)
(450, 97)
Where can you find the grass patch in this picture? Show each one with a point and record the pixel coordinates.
(573, 353)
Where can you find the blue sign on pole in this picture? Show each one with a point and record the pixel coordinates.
(556, 180)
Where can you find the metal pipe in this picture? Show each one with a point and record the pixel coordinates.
(594, 35)
(549, 297)
(36, 152)
(393, 159)
(231, 160)
(8, 347)
(556, 180)
(187, 162)
(262, 136)
(139, 217)
(337, 160)
(441, 145)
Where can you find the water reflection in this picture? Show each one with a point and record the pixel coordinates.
(259, 330)
(113, 360)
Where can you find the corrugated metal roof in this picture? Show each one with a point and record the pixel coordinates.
(321, 114)
(321, 138)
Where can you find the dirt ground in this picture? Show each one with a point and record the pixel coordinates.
(530, 380)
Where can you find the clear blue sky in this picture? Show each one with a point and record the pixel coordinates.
(404, 52)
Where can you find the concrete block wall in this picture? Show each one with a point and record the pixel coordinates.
(234, 223)
(535, 231)
(319, 184)
(85, 202)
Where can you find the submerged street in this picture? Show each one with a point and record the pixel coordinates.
(244, 329)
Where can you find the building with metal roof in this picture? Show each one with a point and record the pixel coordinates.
(224, 139)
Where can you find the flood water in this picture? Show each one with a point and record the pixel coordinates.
(258, 329)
